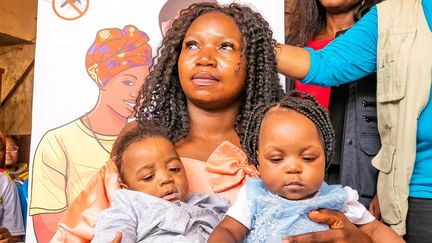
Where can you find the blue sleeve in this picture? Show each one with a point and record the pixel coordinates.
(349, 57)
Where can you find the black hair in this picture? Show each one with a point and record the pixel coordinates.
(135, 134)
(308, 17)
(300, 102)
(3, 149)
(161, 98)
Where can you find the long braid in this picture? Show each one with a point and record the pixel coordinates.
(161, 98)
(300, 102)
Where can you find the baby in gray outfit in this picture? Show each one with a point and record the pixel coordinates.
(153, 204)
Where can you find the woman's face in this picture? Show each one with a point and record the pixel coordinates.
(339, 6)
(11, 152)
(121, 91)
(212, 69)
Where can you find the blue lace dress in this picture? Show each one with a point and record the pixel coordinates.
(274, 217)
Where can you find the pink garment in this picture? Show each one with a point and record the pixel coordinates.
(225, 172)
(322, 94)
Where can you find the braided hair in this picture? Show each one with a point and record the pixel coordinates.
(300, 102)
(161, 98)
(135, 134)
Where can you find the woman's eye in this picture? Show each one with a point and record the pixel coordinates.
(175, 170)
(148, 178)
(128, 83)
(226, 46)
(191, 45)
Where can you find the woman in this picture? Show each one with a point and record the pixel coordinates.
(352, 106)
(68, 156)
(215, 64)
(11, 221)
(18, 172)
(393, 39)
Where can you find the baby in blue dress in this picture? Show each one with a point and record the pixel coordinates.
(291, 142)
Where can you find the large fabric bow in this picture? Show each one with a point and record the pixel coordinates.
(228, 167)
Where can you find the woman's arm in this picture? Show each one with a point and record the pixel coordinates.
(292, 61)
(347, 58)
(229, 230)
(341, 230)
(379, 232)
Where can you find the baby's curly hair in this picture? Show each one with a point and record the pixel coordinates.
(161, 98)
(135, 134)
(300, 102)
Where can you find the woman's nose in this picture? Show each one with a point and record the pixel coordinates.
(134, 93)
(206, 57)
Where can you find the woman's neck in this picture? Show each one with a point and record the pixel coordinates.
(208, 129)
(208, 124)
(13, 167)
(336, 23)
(104, 120)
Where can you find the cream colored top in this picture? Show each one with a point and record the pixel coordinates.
(65, 160)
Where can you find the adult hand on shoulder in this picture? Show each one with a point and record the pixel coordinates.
(341, 230)
(374, 208)
(5, 236)
(117, 238)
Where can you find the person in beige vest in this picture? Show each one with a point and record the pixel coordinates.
(395, 40)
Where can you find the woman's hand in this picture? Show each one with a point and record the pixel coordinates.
(5, 236)
(117, 238)
(341, 230)
(374, 208)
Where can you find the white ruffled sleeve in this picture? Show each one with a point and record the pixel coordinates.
(240, 210)
(354, 210)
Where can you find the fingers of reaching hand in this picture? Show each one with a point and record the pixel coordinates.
(314, 237)
(335, 220)
(5, 236)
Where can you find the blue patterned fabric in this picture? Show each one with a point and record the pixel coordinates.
(275, 217)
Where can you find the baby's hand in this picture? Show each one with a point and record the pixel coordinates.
(117, 238)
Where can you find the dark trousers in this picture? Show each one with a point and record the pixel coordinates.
(419, 221)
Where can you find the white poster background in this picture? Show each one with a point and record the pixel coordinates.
(63, 91)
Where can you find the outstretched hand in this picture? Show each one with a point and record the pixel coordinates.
(341, 230)
(374, 208)
(5, 236)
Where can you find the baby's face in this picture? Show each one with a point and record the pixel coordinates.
(152, 166)
(291, 154)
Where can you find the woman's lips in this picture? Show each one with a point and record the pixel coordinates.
(204, 79)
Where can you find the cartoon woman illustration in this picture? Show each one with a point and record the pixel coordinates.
(68, 156)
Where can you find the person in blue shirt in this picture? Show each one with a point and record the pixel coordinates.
(352, 56)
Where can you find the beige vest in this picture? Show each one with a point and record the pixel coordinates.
(404, 71)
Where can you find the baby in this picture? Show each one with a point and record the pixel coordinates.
(291, 142)
(153, 204)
